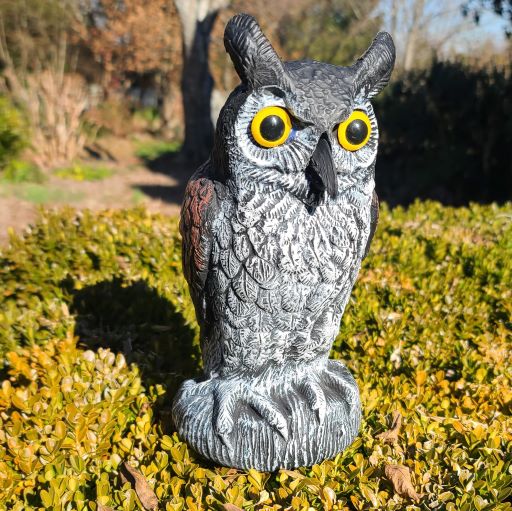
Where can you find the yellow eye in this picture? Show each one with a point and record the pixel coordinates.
(355, 132)
(271, 126)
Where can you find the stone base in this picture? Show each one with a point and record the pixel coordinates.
(233, 421)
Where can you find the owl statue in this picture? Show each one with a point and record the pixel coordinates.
(275, 225)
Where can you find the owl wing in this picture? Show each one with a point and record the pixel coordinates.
(374, 220)
(197, 215)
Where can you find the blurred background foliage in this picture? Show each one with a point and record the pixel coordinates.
(80, 70)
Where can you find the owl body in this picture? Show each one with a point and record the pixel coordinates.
(275, 226)
(280, 276)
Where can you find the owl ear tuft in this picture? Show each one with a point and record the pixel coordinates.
(373, 69)
(255, 61)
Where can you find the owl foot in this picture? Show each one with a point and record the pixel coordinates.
(229, 395)
(283, 419)
(341, 382)
(315, 397)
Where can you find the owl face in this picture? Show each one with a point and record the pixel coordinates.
(305, 127)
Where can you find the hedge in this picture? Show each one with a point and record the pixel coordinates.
(14, 133)
(446, 133)
(97, 330)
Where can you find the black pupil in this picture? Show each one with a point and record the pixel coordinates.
(357, 131)
(272, 128)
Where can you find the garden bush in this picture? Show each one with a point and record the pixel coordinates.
(20, 171)
(97, 331)
(444, 135)
(13, 132)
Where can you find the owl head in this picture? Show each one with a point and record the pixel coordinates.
(306, 127)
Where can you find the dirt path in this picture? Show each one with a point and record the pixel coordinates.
(159, 192)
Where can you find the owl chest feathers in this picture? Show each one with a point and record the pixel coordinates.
(275, 267)
(298, 244)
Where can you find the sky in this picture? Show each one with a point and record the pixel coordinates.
(491, 27)
(448, 30)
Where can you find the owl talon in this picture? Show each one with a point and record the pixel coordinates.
(339, 383)
(315, 397)
(228, 395)
(225, 397)
(264, 407)
(226, 441)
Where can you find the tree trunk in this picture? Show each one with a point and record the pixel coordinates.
(414, 32)
(197, 18)
(394, 17)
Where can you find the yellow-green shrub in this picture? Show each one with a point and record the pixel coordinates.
(13, 132)
(70, 413)
(428, 333)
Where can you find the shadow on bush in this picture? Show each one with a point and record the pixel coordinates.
(133, 318)
(446, 134)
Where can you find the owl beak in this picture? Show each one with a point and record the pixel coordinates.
(321, 171)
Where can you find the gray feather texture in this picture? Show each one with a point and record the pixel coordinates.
(273, 240)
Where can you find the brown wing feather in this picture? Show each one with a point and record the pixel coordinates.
(197, 215)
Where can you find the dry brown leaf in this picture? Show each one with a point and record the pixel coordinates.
(391, 435)
(231, 507)
(231, 475)
(400, 478)
(101, 507)
(146, 495)
(144, 408)
(124, 479)
(294, 474)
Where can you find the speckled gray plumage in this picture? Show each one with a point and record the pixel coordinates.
(271, 259)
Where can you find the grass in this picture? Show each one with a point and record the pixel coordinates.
(19, 171)
(83, 172)
(138, 197)
(97, 331)
(149, 150)
(27, 182)
(42, 194)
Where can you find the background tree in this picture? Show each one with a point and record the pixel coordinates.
(133, 39)
(333, 31)
(38, 58)
(423, 29)
(502, 8)
(197, 18)
(446, 135)
(33, 34)
(139, 36)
